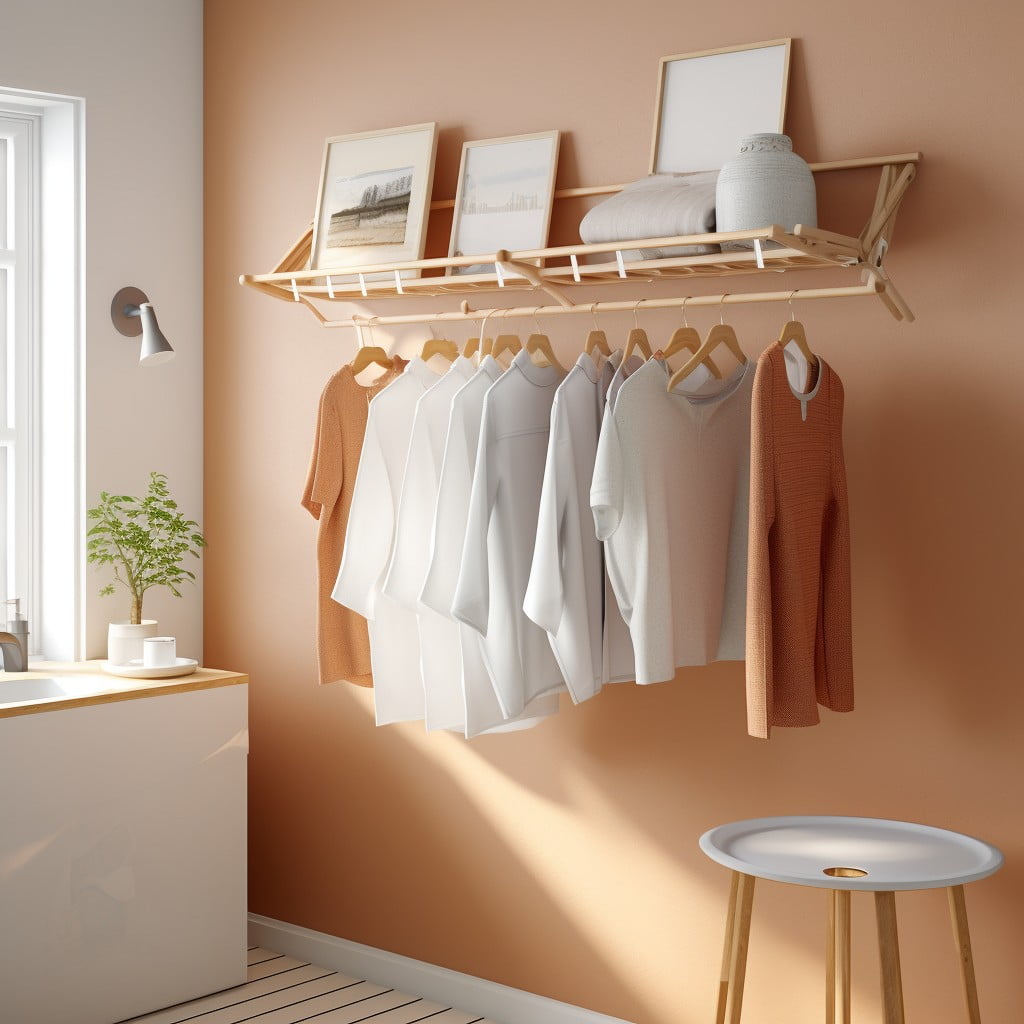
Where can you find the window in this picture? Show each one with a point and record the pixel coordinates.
(41, 262)
(19, 347)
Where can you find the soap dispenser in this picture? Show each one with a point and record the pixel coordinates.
(17, 626)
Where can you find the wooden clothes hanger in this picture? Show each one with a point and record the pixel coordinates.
(637, 339)
(597, 340)
(540, 344)
(367, 355)
(793, 333)
(471, 347)
(502, 343)
(720, 334)
(687, 338)
(443, 347)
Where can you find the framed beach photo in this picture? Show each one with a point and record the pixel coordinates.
(708, 101)
(504, 196)
(374, 197)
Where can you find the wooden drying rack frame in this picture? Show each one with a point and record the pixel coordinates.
(556, 271)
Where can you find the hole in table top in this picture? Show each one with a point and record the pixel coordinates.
(844, 872)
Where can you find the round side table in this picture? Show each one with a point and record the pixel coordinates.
(845, 855)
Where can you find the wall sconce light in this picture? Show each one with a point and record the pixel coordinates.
(132, 314)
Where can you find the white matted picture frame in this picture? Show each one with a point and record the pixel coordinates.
(374, 198)
(709, 100)
(504, 196)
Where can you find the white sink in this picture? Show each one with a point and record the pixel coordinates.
(14, 691)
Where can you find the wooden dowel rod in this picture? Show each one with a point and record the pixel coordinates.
(831, 165)
(866, 161)
(727, 299)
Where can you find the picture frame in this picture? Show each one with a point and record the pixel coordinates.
(374, 197)
(709, 100)
(504, 196)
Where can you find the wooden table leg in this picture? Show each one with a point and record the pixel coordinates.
(889, 951)
(837, 977)
(958, 912)
(730, 924)
(738, 952)
(830, 960)
(843, 953)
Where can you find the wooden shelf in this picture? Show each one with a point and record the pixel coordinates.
(558, 270)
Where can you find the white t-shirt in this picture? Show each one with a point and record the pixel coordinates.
(670, 497)
(480, 703)
(625, 369)
(500, 534)
(394, 646)
(566, 590)
(440, 655)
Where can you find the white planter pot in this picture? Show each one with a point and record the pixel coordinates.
(124, 640)
(767, 183)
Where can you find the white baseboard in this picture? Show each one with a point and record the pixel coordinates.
(498, 1003)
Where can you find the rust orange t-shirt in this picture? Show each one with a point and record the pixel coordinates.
(799, 637)
(343, 645)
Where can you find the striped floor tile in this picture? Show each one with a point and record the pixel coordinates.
(281, 990)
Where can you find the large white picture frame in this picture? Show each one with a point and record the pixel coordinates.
(374, 198)
(504, 197)
(709, 100)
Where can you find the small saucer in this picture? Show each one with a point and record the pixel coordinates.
(136, 670)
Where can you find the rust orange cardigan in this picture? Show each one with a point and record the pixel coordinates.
(799, 642)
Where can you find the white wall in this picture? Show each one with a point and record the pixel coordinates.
(138, 64)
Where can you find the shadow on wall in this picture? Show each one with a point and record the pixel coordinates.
(430, 857)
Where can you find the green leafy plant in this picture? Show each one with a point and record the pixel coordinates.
(145, 540)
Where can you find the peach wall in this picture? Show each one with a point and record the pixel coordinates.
(564, 860)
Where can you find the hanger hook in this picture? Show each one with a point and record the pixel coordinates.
(721, 308)
(792, 315)
(483, 326)
(636, 306)
(686, 299)
(593, 316)
(536, 320)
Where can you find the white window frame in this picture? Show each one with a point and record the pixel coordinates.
(50, 378)
(20, 427)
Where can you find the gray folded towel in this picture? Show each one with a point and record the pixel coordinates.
(658, 206)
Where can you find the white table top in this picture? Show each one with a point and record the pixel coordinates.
(884, 855)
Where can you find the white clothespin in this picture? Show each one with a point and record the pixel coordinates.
(330, 287)
(575, 267)
(362, 286)
(758, 254)
(619, 261)
(398, 282)
(295, 290)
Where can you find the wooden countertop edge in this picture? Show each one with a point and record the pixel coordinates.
(137, 689)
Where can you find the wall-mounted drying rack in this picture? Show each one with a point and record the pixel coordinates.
(558, 270)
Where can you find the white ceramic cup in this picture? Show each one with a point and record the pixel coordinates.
(158, 652)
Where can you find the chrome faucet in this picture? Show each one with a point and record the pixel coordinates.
(15, 657)
(14, 645)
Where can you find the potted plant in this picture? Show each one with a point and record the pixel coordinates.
(146, 541)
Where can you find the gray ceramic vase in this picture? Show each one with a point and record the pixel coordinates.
(767, 183)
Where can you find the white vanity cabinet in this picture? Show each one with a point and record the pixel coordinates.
(122, 851)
